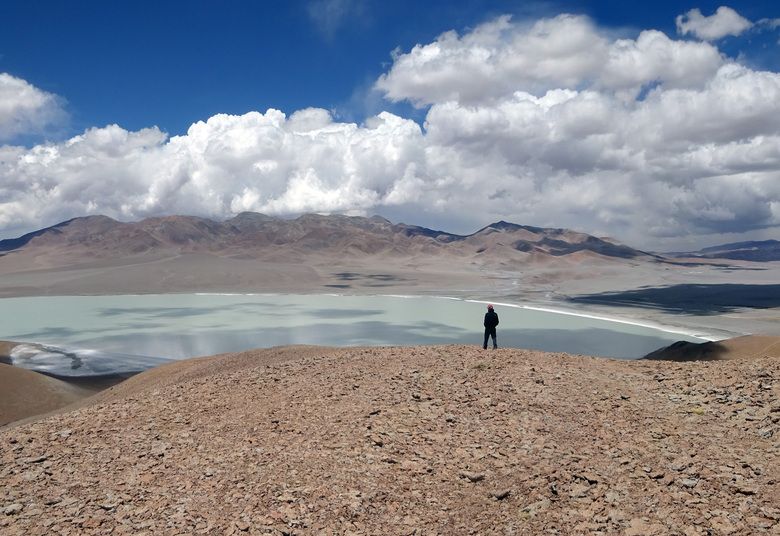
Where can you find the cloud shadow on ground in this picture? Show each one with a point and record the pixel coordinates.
(709, 299)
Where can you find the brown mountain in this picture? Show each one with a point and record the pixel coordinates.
(257, 235)
(254, 252)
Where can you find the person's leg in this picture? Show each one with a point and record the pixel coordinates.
(487, 334)
(493, 334)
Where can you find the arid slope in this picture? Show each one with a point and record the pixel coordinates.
(422, 440)
(24, 393)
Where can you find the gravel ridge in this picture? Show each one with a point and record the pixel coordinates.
(412, 440)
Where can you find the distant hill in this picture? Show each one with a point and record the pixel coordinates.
(745, 347)
(252, 235)
(755, 251)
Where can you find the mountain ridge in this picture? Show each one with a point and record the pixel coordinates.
(254, 231)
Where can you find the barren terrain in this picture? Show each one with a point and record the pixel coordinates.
(416, 440)
(426, 440)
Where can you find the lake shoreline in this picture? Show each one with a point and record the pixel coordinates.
(69, 389)
(690, 325)
(713, 300)
(96, 382)
(619, 315)
(177, 326)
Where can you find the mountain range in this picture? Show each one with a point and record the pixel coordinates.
(251, 253)
(253, 235)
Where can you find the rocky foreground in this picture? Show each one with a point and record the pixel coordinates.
(426, 440)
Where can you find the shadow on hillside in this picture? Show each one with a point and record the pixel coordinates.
(690, 299)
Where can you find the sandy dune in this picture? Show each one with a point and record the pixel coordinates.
(424, 440)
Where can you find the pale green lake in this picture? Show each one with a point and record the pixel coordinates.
(93, 335)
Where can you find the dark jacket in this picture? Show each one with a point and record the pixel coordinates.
(491, 319)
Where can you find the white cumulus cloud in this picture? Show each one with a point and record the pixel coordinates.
(554, 123)
(25, 109)
(725, 21)
(568, 51)
(494, 59)
(228, 164)
(656, 137)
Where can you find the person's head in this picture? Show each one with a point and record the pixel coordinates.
(490, 307)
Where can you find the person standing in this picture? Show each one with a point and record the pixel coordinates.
(490, 323)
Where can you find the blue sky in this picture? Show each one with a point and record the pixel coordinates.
(458, 145)
(143, 62)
